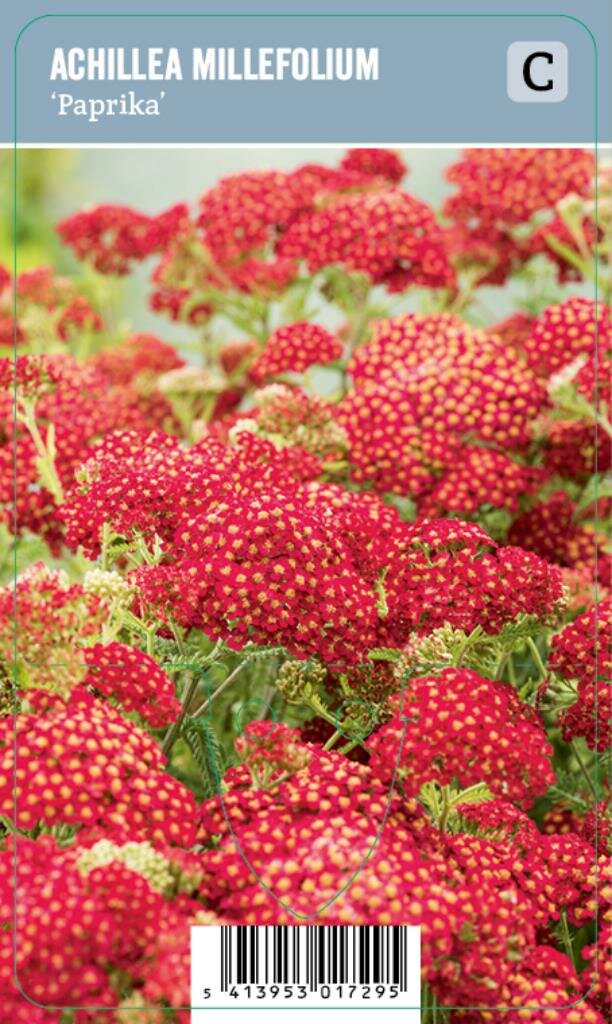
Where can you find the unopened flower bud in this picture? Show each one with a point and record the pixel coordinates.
(298, 681)
(110, 586)
(138, 857)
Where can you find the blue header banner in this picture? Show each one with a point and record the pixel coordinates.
(481, 74)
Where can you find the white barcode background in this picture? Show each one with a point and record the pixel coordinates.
(305, 966)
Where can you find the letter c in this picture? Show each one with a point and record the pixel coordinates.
(529, 82)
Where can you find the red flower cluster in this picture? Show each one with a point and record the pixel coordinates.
(380, 163)
(247, 559)
(514, 329)
(294, 348)
(387, 447)
(556, 230)
(425, 385)
(134, 680)
(489, 253)
(583, 651)
(288, 415)
(270, 750)
(598, 973)
(264, 278)
(134, 366)
(574, 448)
(43, 620)
(270, 571)
(78, 933)
(552, 530)
(113, 237)
(236, 355)
(137, 356)
(389, 235)
(479, 477)
(42, 299)
(244, 211)
(75, 404)
(145, 482)
(594, 376)
(33, 376)
(455, 379)
(564, 332)
(475, 900)
(456, 726)
(82, 763)
(451, 572)
(507, 186)
(499, 189)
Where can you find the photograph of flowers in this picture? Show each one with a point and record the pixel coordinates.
(305, 606)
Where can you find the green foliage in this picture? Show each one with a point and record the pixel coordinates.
(478, 794)
(207, 754)
(384, 654)
(565, 790)
(599, 486)
(253, 653)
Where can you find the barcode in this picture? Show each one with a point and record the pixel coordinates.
(366, 955)
(312, 965)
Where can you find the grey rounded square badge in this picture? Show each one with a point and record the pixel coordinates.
(537, 72)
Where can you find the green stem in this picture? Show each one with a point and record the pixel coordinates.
(174, 729)
(583, 768)
(346, 749)
(151, 633)
(192, 686)
(178, 637)
(501, 666)
(379, 589)
(316, 704)
(583, 266)
(459, 658)
(45, 452)
(104, 546)
(511, 670)
(466, 294)
(360, 321)
(536, 657)
(567, 939)
(429, 1006)
(604, 423)
(333, 740)
(220, 689)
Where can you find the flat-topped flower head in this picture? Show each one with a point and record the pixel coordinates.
(565, 331)
(293, 349)
(508, 186)
(134, 680)
(456, 725)
(244, 211)
(84, 764)
(582, 652)
(389, 235)
(380, 163)
(452, 377)
(113, 237)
